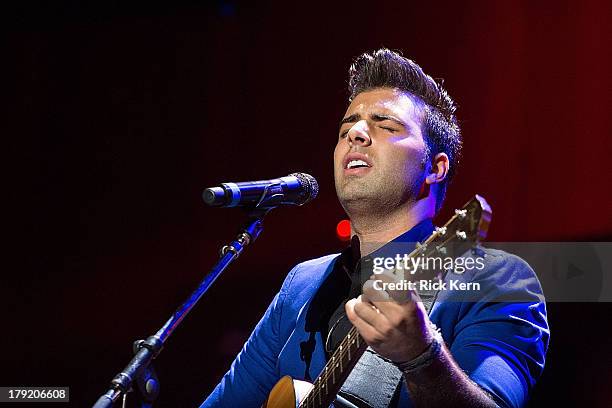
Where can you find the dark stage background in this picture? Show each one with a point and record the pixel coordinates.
(119, 115)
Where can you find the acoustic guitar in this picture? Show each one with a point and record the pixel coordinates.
(465, 229)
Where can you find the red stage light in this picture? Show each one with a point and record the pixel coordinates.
(343, 230)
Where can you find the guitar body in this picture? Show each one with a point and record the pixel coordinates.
(287, 393)
(282, 395)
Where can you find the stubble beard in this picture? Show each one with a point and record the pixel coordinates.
(374, 196)
(380, 203)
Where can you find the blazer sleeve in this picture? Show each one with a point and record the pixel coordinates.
(254, 370)
(500, 341)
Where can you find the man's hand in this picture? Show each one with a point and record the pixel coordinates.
(394, 323)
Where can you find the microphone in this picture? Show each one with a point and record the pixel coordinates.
(295, 189)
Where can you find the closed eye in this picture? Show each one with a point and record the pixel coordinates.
(389, 129)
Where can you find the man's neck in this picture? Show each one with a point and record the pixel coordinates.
(375, 229)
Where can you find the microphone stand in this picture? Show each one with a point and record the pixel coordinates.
(140, 368)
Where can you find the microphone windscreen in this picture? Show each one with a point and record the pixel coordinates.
(309, 184)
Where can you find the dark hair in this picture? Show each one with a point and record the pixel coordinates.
(388, 69)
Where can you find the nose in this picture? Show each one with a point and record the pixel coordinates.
(358, 134)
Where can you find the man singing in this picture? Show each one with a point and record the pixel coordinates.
(397, 150)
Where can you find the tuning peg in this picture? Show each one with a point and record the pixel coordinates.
(461, 213)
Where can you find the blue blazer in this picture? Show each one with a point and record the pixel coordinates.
(499, 340)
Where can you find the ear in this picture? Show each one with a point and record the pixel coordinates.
(439, 169)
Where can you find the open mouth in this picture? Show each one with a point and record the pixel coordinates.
(356, 164)
(354, 161)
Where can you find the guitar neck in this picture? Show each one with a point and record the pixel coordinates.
(337, 369)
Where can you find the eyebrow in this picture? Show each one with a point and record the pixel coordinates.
(350, 119)
(376, 117)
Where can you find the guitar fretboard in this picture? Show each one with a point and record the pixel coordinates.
(337, 369)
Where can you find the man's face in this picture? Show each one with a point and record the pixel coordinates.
(380, 155)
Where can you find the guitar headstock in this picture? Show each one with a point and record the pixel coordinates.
(471, 223)
(463, 231)
(468, 226)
